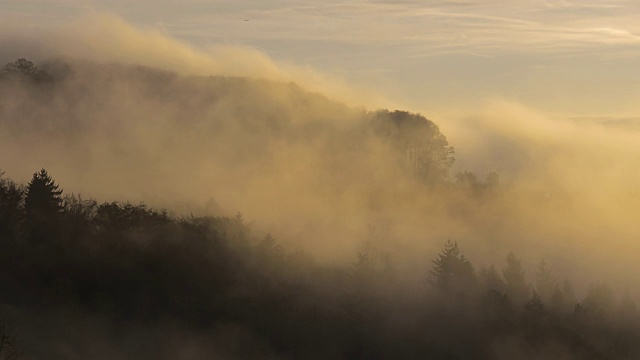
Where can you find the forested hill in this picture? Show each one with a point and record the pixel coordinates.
(285, 157)
(153, 124)
(88, 280)
(344, 254)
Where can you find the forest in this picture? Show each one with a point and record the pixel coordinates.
(81, 277)
(101, 279)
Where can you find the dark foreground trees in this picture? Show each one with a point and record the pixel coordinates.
(126, 281)
(10, 208)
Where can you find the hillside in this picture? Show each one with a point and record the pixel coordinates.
(195, 217)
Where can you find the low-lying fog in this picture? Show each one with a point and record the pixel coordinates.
(229, 131)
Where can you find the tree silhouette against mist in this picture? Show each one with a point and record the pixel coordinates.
(10, 207)
(24, 68)
(513, 275)
(546, 283)
(43, 207)
(425, 149)
(452, 273)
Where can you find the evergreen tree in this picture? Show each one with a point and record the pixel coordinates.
(513, 274)
(452, 273)
(546, 284)
(43, 207)
(535, 319)
(599, 299)
(491, 280)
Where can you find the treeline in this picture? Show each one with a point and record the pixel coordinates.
(149, 283)
(303, 117)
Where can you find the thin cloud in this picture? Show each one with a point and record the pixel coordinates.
(487, 27)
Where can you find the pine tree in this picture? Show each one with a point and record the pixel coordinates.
(452, 273)
(43, 207)
(599, 299)
(491, 280)
(513, 275)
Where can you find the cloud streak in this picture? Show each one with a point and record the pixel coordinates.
(401, 46)
(521, 26)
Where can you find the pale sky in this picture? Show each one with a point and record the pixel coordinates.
(574, 57)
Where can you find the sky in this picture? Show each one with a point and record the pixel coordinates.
(563, 57)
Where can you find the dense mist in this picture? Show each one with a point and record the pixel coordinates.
(316, 173)
(329, 173)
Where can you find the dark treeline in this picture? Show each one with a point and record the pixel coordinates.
(89, 280)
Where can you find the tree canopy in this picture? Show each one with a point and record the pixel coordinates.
(128, 270)
(452, 273)
(424, 148)
(25, 69)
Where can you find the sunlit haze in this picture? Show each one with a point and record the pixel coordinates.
(518, 132)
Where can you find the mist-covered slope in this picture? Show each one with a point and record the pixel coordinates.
(285, 157)
(321, 175)
(360, 203)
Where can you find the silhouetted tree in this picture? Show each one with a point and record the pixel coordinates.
(43, 206)
(78, 217)
(424, 148)
(24, 68)
(10, 208)
(452, 273)
(535, 318)
(546, 284)
(271, 254)
(599, 299)
(497, 309)
(270, 245)
(513, 275)
(491, 280)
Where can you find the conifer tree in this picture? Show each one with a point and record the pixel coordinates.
(43, 206)
(513, 275)
(452, 273)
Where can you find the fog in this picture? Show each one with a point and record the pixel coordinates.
(572, 183)
(135, 115)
